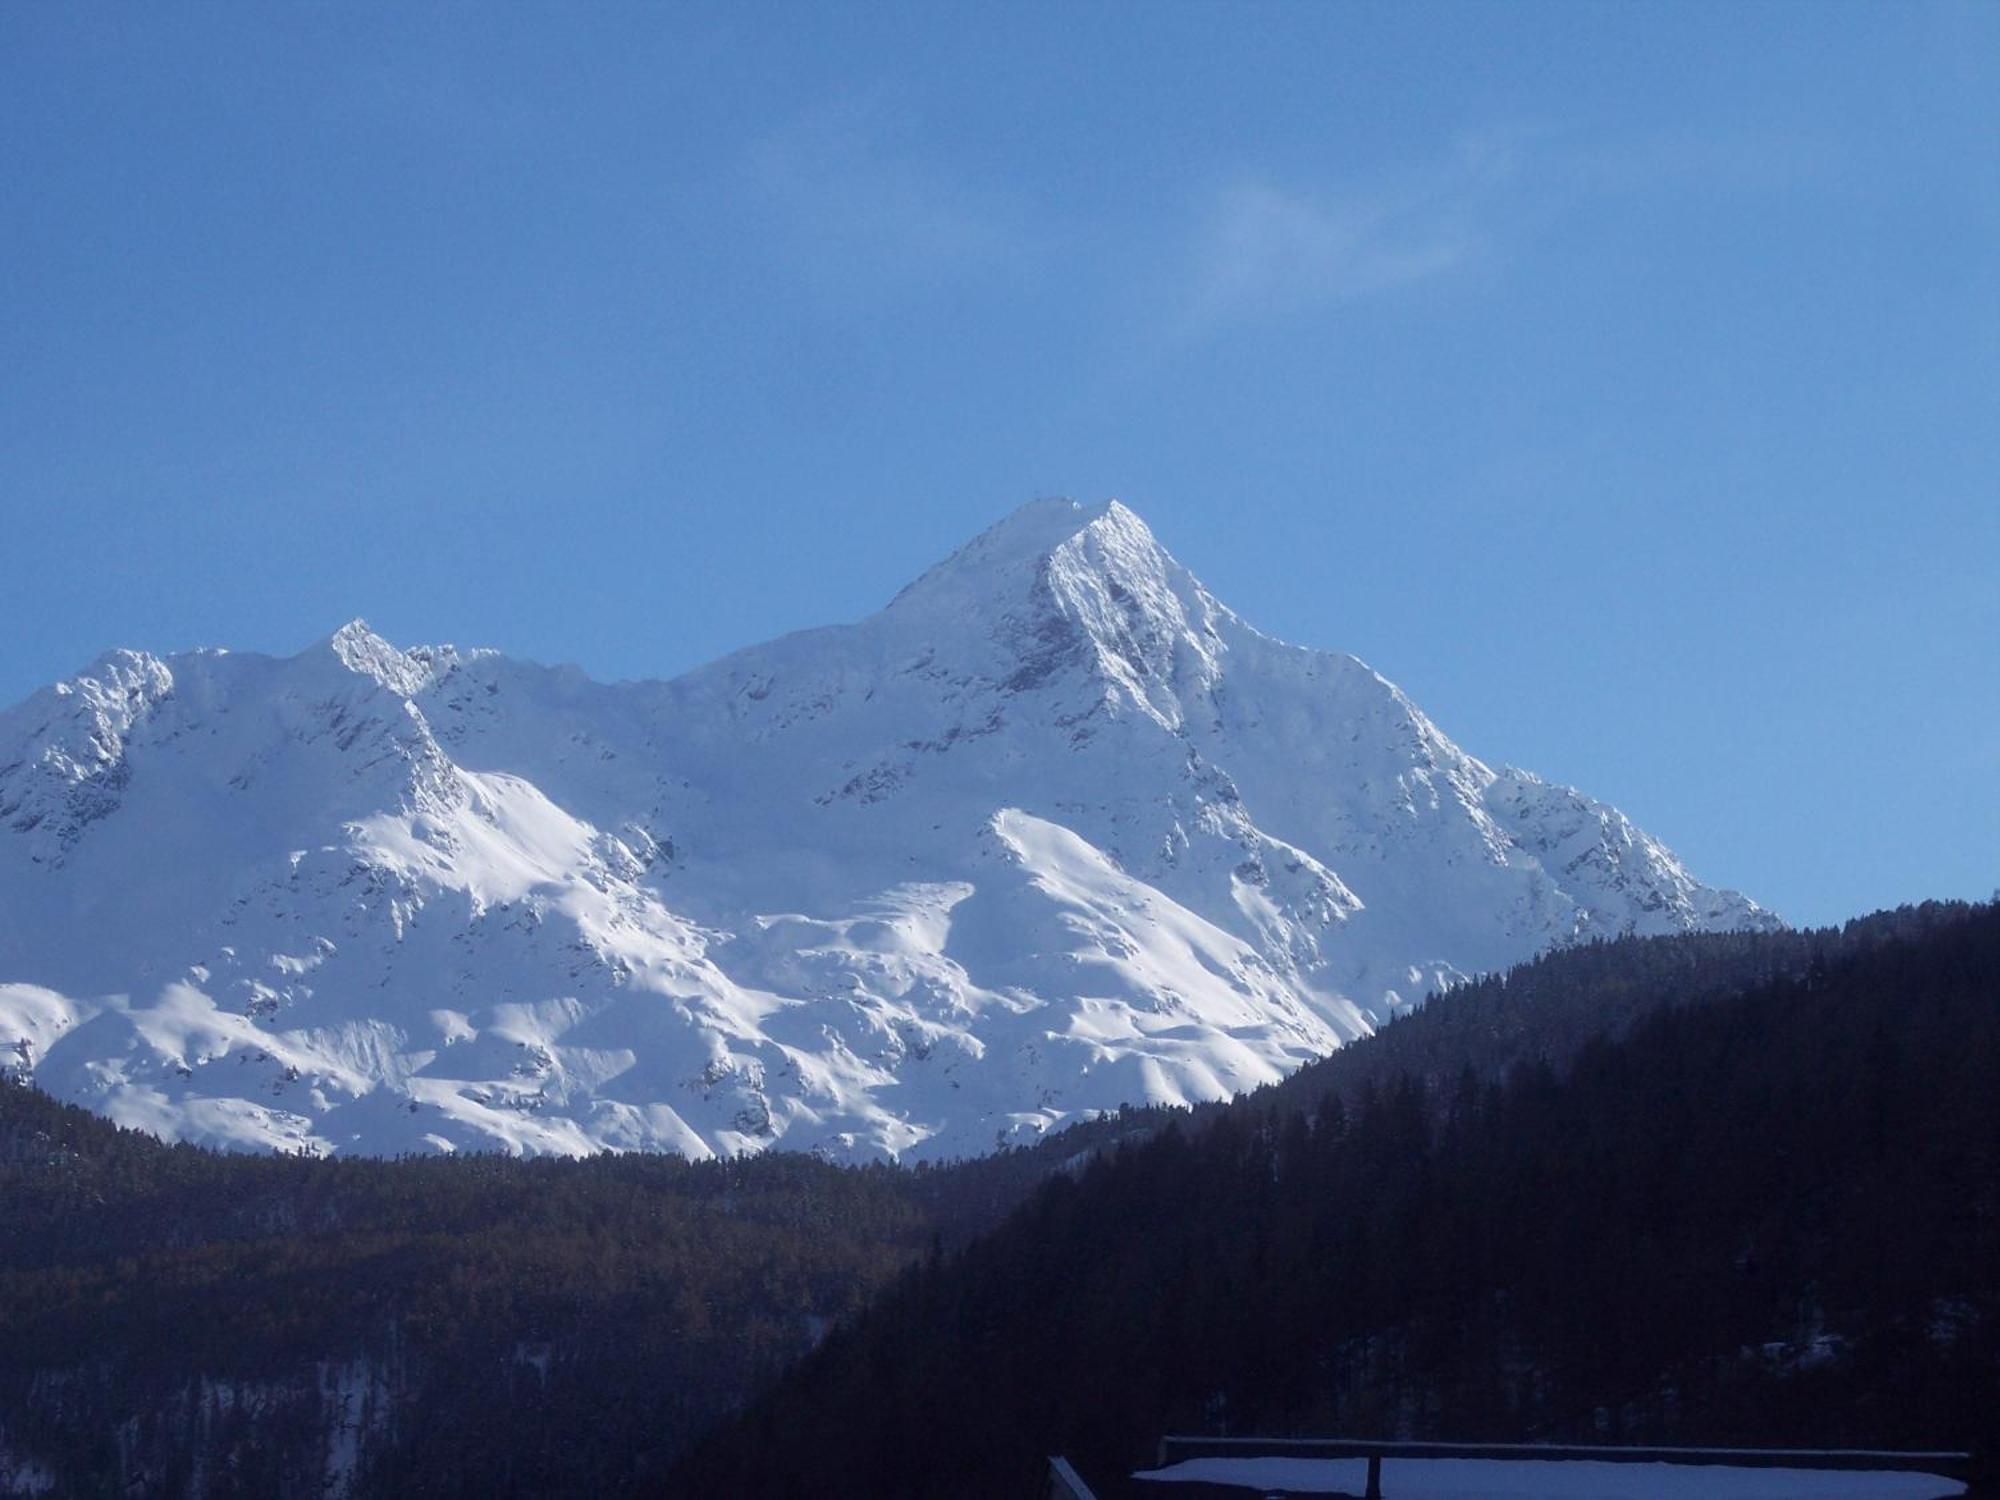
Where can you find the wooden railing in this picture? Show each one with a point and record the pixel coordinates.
(1175, 1450)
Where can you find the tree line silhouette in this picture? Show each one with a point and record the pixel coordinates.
(1733, 1187)
(1773, 1218)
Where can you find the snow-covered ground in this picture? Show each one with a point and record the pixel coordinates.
(1052, 832)
(1577, 1479)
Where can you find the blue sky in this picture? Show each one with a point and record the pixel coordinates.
(1623, 380)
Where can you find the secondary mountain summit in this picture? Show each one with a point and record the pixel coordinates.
(1054, 831)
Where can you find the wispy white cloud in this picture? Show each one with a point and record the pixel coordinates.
(860, 206)
(1262, 249)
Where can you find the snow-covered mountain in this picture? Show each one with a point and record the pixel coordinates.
(1054, 831)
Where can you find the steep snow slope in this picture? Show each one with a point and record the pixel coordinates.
(1053, 831)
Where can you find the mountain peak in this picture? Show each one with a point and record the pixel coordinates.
(1007, 557)
(1055, 831)
(1057, 586)
(367, 654)
(1041, 525)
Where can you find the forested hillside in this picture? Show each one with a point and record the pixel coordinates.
(175, 1321)
(179, 1321)
(1770, 1219)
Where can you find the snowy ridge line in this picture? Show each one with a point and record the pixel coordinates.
(1053, 832)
